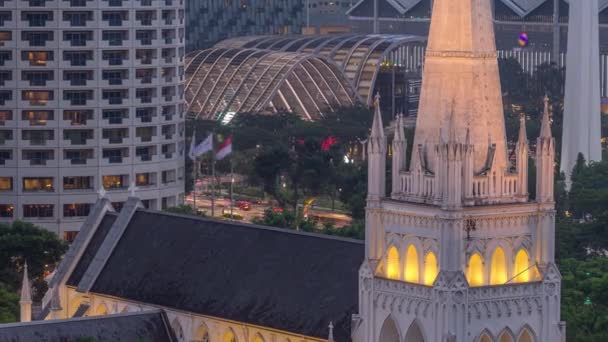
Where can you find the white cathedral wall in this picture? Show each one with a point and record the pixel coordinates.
(185, 324)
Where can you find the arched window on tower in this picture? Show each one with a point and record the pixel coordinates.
(522, 272)
(430, 268)
(498, 270)
(392, 263)
(475, 272)
(229, 337)
(485, 338)
(412, 274)
(525, 336)
(101, 310)
(505, 336)
(202, 334)
(258, 338)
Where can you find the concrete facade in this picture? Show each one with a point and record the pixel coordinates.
(582, 104)
(92, 96)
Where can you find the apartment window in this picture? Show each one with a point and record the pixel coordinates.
(115, 181)
(5, 76)
(168, 176)
(145, 17)
(114, 18)
(113, 96)
(145, 36)
(37, 117)
(115, 116)
(77, 157)
(4, 17)
(78, 97)
(145, 75)
(5, 55)
(145, 114)
(114, 77)
(114, 3)
(6, 210)
(37, 19)
(113, 155)
(145, 153)
(37, 97)
(5, 36)
(78, 136)
(36, 38)
(77, 58)
(6, 183)
(5, 95)
(37, 58)
(5, 134)
(5, 115)
(5, 155)
(144, 179)
(78, 3)
(114, 57)
(78, 117)
(114, 38)
(37, 157)
(78, 38)
(77, 18)
(38, 184)
(115, 135)
(38, 210)
(76, 209)
(37, 137)
(70, 235)
(144, 95)
(78, 183)
(145, 134)
(37, 78)
(78, 78)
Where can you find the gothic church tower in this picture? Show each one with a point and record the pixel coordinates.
(456, 251)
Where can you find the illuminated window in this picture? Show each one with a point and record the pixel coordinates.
(475, 273)
(144, 179)
(430, 268)
(114, 181)
(101, 310)
(485, 338)
(78, 183)
(37, 98)
(498, 270)
(6, 183)
(38, 184)
(525, 336)
(70, 235)
(37, 117)
(412, 274)
(37, 58)
(505, 337)
(5, 115)
(38, 210)
(522, 273)
(202, 334)
(229, 337)
(392, 263)
(258, 338)
(6, 210)
(76, 209)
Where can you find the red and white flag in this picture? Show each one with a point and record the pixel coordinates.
(225, 149)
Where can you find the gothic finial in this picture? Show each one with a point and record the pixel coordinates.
(467, 138)
(399, 136)
(545, 127)
(377, 127)
(522, 129)
(26, 292)
(330, 337)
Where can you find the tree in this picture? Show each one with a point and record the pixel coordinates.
(9, 305)
(185, 210)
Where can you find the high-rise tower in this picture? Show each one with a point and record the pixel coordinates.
(458, 252)
(90, 97)
(582, 126)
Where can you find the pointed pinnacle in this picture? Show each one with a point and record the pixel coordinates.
(377, 127)
(26, 294)
(522, 129)
(545, 126)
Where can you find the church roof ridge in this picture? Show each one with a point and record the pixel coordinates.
(84, 318)
(256, 226)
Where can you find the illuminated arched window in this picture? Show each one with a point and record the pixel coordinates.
(101, 310)
(498, 270)
(392, 263)
(202, 334)
(522, 273)
(475, 272)
(525, 336)
(411, 265)
(229, 337)
(258, 338)
(430, 268)
(505, 337)
(485, 338)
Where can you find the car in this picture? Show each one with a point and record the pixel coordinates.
(243, 205)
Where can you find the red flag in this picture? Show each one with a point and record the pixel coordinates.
(225, 149)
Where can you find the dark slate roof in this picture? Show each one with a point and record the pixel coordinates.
(92, 248)
(277, 278)
(149, 326)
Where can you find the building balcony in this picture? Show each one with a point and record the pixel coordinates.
(38, 162)
(78, 44)
(87, 64)
(8, 24)
(114, 160)
(36, 25)
(38, 104)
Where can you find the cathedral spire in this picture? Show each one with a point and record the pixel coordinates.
(460, 83)
(545, 127)
(545, 159)
(377, 127)
(376, 153)
(398, 165)
(521, 155)
(25, 302)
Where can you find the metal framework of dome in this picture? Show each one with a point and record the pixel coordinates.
(358, 56)
(227, 80)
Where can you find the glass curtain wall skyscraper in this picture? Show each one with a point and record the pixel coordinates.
(91, 96)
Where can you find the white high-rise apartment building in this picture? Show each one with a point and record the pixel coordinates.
(91, 95)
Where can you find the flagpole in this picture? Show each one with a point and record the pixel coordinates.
(194, 171)
(212, 179)
(231, 181)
